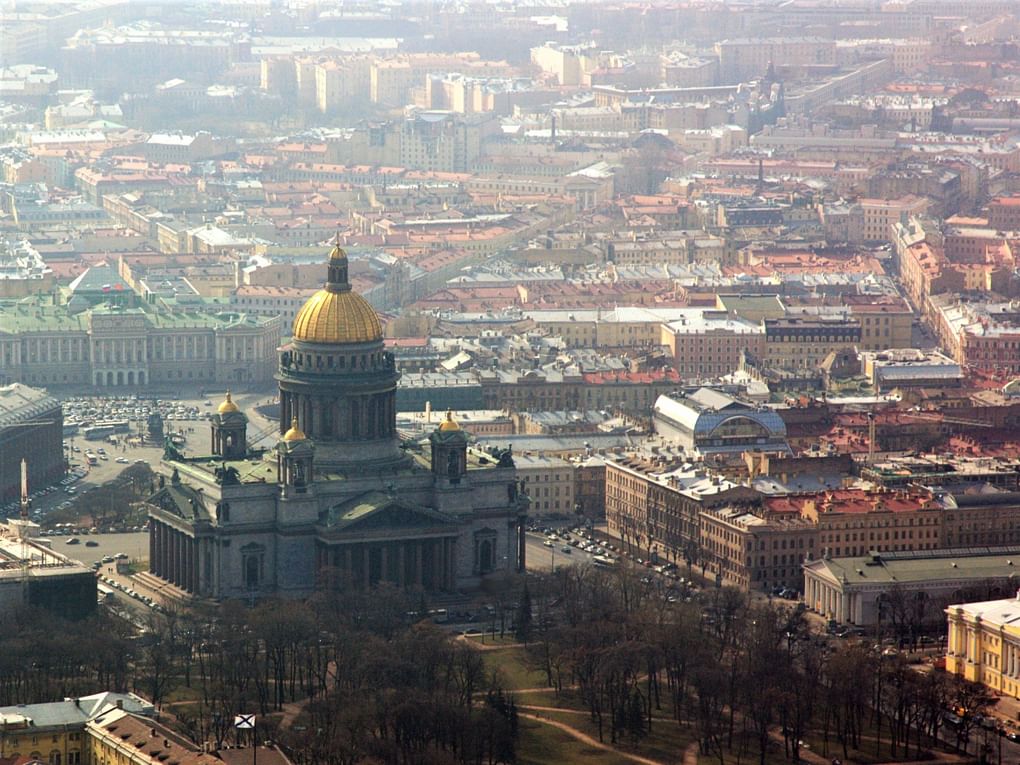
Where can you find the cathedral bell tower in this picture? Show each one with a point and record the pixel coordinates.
(449, 451)
(229, 431)
(294, 460)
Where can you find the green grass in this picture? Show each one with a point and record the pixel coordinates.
(665, 742)
(512, 665)
(866, 755)
(488, 639)
(180, 693)
(541, 744)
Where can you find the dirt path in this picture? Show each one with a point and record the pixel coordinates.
(806, 755)
(480, 646)
(589, 741)
(535, 708)
(691, 754)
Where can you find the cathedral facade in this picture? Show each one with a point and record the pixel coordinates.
(339, 500)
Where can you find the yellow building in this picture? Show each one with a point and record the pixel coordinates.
(118, 738)
(56, 731)
(984, 643)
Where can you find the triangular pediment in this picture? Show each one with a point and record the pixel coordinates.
(179, 500)
(376, 510)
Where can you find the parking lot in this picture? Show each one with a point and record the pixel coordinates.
(186, 416)
(93, 547)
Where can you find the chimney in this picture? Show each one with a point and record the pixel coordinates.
(120, 703)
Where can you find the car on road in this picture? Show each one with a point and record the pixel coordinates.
(92, 543)
(121, 556)
(122, 460)
(548, 543)
(567, 549)
(73, 541)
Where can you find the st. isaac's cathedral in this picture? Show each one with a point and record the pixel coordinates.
(339, 499)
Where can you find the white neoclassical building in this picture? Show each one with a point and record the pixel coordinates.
(851, 590)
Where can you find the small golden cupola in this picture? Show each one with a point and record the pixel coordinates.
(295, 433)
(449, 423)
(227, 406)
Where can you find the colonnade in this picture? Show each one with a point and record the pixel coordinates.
(427, 563)
(173, 556)
(368, 417)
(824, 599)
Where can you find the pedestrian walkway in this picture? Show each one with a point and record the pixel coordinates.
(592, 742)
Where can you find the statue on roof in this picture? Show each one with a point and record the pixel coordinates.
(171, 451)
(506, 457)
(227, 475)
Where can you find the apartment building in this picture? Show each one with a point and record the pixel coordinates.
(1004, 213)
(753, 552)
(706, 344)
(654, 503)
(879, 215)
(548, 481)
(339, 83)
(741, 59)
(803, 343)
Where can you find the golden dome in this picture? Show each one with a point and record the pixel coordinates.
(227, 406)
(335, 314)
(295, 433)
(337, 318)
(449, 423)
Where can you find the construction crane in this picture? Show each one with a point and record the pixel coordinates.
(253, 441)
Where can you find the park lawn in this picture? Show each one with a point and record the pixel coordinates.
(864, 756)
(665, 742)
(773, 756)
(541, 744)
(512, 665)
(488, 639)
(181, 694)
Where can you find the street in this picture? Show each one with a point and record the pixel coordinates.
(542, 558)
(135, 545)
